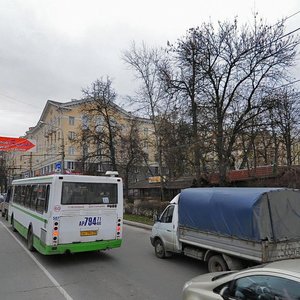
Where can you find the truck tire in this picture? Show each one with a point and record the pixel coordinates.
(30, 240)
(159, 249)
(216, 263)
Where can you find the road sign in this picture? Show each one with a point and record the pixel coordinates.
(58, 166)
(15, 144)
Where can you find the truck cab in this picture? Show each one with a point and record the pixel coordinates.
(164, 236)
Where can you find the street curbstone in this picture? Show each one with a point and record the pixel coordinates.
(136, 224)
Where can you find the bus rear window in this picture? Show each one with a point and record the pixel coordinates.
(89, 193)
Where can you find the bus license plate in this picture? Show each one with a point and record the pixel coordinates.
(88, 232)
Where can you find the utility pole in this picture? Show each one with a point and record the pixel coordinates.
(30, 164)
(62, 152)
(62, 146)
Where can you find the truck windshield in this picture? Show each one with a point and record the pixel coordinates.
(89, 193)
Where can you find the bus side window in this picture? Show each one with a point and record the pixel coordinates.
(47, 197)
(17, 194)
(27, 195)
(33, 197)
(24, 197)
(40, 203)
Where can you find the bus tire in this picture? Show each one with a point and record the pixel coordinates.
(30, 240)
(159, 249)
(13, 224)
(216, 263)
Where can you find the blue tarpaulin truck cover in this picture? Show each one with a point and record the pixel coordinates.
(247, 213)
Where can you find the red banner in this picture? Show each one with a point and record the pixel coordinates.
(14, 144)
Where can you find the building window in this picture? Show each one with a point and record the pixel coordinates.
(71, 165)
(99, 123)
(85, 122)
(71, 135)
(146, 131)
(71, 151)
(71, 120)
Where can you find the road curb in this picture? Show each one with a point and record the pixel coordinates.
(136, 224)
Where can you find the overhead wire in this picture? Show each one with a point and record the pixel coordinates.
(19, 101)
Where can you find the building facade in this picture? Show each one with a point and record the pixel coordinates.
(60, 147)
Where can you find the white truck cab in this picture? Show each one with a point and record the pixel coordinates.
(164, 236)
(230, 228)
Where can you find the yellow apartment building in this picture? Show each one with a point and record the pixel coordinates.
(56, 150)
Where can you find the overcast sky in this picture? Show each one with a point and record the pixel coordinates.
(51, 49)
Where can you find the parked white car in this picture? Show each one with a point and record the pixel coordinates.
(273, 281)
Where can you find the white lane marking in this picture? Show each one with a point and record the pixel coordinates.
(52, 279)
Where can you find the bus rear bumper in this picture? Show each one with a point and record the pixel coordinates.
(77, 247)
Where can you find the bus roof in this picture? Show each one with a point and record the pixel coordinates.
(52, 177)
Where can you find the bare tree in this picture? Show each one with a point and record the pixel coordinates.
(150, 95)
(3, 172)
(285, 113)
(176, 139)
(100, 129)
(236, 66)
(183, 79)
(132, 155)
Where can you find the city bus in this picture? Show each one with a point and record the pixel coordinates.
(61, 213)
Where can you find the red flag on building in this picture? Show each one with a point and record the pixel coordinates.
(15, 144)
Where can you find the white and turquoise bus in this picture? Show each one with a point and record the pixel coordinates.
(68, 213)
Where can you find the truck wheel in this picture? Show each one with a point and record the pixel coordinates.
(30, 240)
(216, 263)
(159, 249)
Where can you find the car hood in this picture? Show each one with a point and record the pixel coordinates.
(208, 277)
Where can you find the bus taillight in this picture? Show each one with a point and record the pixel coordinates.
(55, 234)
(119, 228)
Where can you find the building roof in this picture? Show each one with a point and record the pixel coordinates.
(74, 102)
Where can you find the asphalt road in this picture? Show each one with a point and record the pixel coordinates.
(130, 272)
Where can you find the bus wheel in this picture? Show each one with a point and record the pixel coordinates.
(13, 224)
(216, 263)
(30, 240)
(159, 249)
